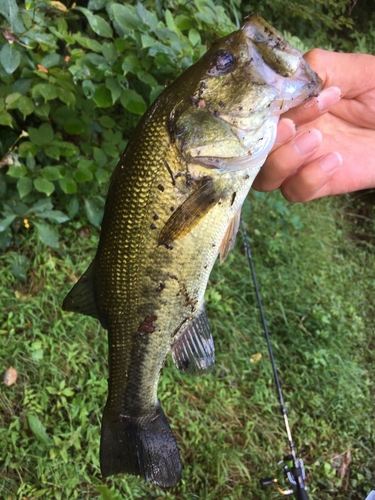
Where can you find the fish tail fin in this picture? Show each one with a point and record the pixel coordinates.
(143, 446)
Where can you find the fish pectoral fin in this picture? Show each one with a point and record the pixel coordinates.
(194, 352)
(141, 445)
(192, 210)
(81, 298)
(230, 236)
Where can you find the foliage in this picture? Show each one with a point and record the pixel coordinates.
(75, 83)
(315, 269)
(341, 25)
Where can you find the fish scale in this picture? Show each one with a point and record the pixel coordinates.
(172, 207)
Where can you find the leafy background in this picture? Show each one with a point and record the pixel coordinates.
(75, 80)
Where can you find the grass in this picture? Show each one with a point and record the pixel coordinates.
(316, 270)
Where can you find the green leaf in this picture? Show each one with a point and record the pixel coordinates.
(5, 118)
(94, 212)
(147, 17)
(133, 102)
(20, 265)
(88, 88)
(11, 100)
(46, 90)
(147, 78)
(41, 205)
(194, 37)
(109, 51)
(50, 60)
(68, 185)
(38, 429)
(74, 126)
(114, 87)
(10, 58)
(9, 10)
(25, 105)
(83, 175)
(107, 121)
(51, 173)
(47, 234)
(66, 96)
(103, 97)
(73, 207)
(41, 136)
(184, 22)
(102, 175)
(55, 215)
(100, 157)
(24, 186)
(5, 223)
(147, 40)
(53, 152)
(17, 171)
(126, 17)
(99, 25)
(44, 186)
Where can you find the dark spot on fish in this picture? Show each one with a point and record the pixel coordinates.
(205, 267)
(184, 364)
(172, 209)
(173, 277)
(221, 104)
(169, 246)
(155, 216)
(84, 278)
(216, 113)
(233, 198)
(247, 176)
(240, 108)
(147, 325)
(213, 245)
(161, 286)
(160, 187)
(152, 226)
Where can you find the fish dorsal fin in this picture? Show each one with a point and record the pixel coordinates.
(81, 298)
(192, 210)
(230, 236)
(194, 352)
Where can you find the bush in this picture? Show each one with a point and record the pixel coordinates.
(75, 83)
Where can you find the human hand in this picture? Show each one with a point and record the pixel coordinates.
(326, 146)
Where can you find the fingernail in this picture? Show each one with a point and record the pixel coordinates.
(328, 98)
(330, 161)
(307, 142)
(286, 129)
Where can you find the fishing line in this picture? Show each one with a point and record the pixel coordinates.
(293, 467)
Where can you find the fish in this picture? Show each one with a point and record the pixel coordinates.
(173, 206)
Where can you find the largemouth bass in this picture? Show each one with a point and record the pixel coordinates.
(173, 206)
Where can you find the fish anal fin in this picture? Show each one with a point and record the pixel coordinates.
(190, 212)
(230, 236)
(81, 298)
(143, 446)
(194, 352)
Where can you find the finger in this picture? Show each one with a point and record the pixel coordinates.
(286, 130)
(285, 160)
(310, 180)
(314, 107)
(353, 73)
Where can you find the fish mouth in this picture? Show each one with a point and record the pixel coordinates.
(278, 64)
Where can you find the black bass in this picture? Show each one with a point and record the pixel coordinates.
(173, 206)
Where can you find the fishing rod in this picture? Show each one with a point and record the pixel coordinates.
(293, 467)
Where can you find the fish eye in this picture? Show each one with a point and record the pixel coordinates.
(223, 63)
